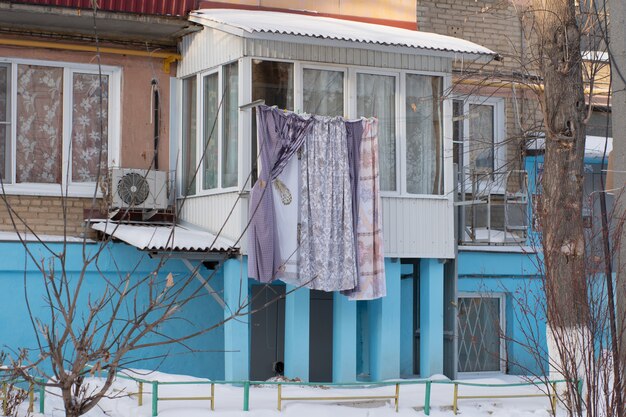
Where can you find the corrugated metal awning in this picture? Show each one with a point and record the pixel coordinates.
(256, 23)
(166, 238)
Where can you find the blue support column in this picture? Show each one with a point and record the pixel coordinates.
(344, 339)
(297, 312)
(384, 317)
(431, 317)
(236, 332)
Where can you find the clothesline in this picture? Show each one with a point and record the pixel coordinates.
(318, 198)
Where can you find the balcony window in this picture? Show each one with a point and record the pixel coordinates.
(479, 146)
(5, 122)
(230, 121)
(272, 81)
(408, 106)
(213, 154)
(189, 137)
(424, 135)
(210, 130)
(323, 92)
(376, 97)
(481, 126)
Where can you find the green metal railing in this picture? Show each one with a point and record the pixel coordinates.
(155, 384)
(396, 396)
(4, 393)
(550, 386)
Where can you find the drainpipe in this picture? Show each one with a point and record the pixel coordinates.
(156, 121)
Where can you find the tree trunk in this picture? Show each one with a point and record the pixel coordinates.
(72, 407)
(617, 31)
(564, 111)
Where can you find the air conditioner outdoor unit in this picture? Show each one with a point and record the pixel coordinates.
(139, 189)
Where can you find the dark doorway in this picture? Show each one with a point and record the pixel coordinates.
(267, 333)
(449, 319)
(321, 337)
(411, 311)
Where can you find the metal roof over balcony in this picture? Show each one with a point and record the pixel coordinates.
(270, 25)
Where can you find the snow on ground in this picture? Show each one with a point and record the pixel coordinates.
(263, 401)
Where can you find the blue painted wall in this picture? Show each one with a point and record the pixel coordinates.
(18, 272)
(516, 276)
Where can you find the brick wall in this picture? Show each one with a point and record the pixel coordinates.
(495, 24)
(44, 215)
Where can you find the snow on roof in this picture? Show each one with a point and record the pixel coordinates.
(594, 146)
(255, 23)
(165, 237)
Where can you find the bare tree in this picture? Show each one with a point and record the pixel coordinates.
(578, 298)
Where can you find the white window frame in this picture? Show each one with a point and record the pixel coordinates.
(10, 123)
(180, 177)
(200, 133)
(221, 124)
(298, 92)
(400, 115)
(199, 183)
(503, 359)
(67, 186)
(350, 71)
(499, 134)
(446, 133)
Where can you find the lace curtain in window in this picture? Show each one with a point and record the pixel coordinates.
(39, 124)
(376, 97)
(424, 142)
(90, 123)
(5, 120)
(481, 128)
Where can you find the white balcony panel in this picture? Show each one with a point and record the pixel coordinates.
(206, 49)
(213, 212)
(418, 227)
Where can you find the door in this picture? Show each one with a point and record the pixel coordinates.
(449, 319)
(321, 337)
(267, 333)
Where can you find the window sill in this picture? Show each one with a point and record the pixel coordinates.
(208, 193)
(51, 190)
(414, 196)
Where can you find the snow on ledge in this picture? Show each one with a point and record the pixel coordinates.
(30, 237)
(498, 248)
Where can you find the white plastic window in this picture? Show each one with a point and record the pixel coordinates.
(59, 125)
